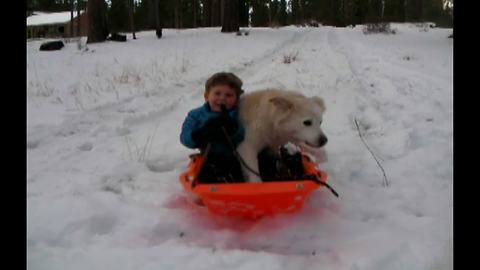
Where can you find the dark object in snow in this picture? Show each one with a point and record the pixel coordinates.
(313, 23)
(52, 45)
(451, 36)
(244, 32)
(118, 37)
(181, 234)
(287, 59)
(375, 28)
(158, 32)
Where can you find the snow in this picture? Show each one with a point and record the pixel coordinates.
(103, 151)
(40, 18)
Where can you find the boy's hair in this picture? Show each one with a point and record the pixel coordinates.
(225, 78)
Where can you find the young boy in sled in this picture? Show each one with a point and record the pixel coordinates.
(208, 126)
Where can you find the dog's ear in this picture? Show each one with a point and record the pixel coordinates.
(319, 101)
(282, 103)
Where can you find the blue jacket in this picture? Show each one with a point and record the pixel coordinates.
(197, 118)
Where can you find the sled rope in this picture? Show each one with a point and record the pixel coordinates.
(329, 188)
(237, 154)
(316, 179)
(385, 179)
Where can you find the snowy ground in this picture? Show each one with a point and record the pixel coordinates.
(104, 153)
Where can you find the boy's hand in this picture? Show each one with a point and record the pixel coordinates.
(212, 131)
(229, 123)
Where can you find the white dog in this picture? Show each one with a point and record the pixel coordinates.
(273, 118)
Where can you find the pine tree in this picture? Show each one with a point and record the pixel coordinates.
(336, 15)
(243, 12)
(259, 13)
(118, 16)
(274, 12)
(394, 10)
(282, 14)
(71, 18)
(374, 13)
(230, 21)
(215, 13)
(97, 21)
(141, 15)
(413, 10)
(294, 9)
(432, 10)
(177, 14)
(158, 28)
(79, 7)
(195, 9)
(207, 7)
(130, 15)
(349, 10)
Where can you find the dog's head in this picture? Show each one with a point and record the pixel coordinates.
(299, 119)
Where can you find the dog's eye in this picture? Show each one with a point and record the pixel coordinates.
(307, 122)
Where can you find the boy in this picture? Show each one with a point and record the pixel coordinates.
(205, 128)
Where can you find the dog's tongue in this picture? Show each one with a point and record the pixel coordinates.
(318, 153)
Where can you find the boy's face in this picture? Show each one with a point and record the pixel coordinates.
(219, 95)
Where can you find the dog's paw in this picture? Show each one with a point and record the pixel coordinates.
(253, 179)
(318, 153)
(292, 148)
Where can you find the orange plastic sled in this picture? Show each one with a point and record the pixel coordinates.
(252, 200)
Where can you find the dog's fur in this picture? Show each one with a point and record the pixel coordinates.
(275, 117)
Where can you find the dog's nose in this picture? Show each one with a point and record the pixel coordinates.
(323, 140)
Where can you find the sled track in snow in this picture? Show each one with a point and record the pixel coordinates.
(246, 70)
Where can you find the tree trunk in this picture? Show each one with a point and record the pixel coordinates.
(382, 12)
(243, 12)
(230, 21)
(301, 4)
(215, 13)
(283, 12)
(71, 18)
(158, 28)
(269, 13)
(222, 11)
(156, 11)
(132, 21)
(207, 13)
(78, 18)
(177, 14)
(194, 13)
(97, 21)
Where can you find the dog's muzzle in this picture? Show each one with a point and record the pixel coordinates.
(322, 141)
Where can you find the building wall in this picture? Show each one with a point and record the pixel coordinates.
(83, 26)
(59, 30)
(46, 31)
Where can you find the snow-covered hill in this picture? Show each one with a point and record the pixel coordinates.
(104, 153)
